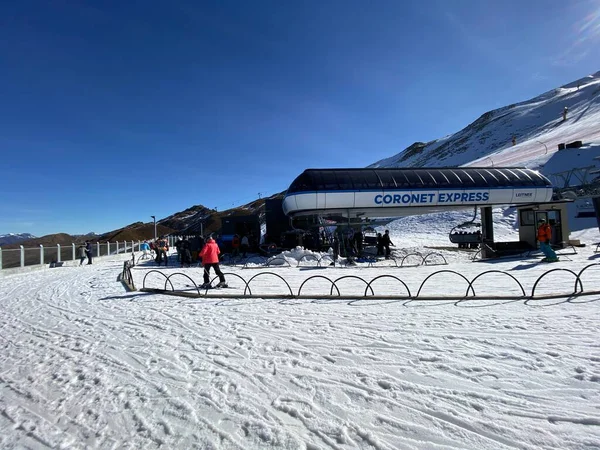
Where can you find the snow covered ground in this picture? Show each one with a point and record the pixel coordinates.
(85, 364)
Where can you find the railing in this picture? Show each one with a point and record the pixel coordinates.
(24, 257)
(126, 275)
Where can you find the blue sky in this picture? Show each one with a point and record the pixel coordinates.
(113, 111)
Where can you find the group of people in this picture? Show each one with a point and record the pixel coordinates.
(240, 245)
(383, 244)
(208, 253)
(354, 244)
(85, 251)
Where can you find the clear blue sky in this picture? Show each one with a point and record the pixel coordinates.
(114, 112)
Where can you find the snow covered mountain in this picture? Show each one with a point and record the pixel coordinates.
(538, 128)
(536, 125)
(13, 238)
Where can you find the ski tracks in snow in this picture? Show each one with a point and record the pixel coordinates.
(83, 366)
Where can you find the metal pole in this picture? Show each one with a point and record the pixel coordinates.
(41, 254)
(154, 218)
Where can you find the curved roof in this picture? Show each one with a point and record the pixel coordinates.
(422, 178)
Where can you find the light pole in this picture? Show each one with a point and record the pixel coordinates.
(154, 217)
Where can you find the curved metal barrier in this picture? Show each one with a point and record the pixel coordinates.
(434, 254)
(411, 255)
(306, 258)
(391, 258)
(369, 293)
(168, 280)
(261, 260)
(318, 276)
(277, 258)
(387, 276)
(247, 288)
(156, 271)
(470, 287)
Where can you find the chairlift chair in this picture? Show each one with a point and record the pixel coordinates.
(467, 234)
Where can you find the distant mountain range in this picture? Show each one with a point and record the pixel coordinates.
(13, 238)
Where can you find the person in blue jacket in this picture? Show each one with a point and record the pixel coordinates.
(145, 248)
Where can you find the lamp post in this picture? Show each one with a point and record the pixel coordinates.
(154, 217)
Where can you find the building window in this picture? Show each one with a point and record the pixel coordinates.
(527, 217)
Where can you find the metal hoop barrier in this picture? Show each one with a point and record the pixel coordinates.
(577, 279)
(372, 263)
(581, 272)
(266, 273)
(231, 275)
(306, 257)
(434, 254)
(369, 291)
(156, 271)
(387, 276)
(144, 258)
(351, 276)
(252, 260)
(470, 287)
(411, 254)
(318, 276)
(278, 258)
(325, 257)
(168, 280)
(442, 271)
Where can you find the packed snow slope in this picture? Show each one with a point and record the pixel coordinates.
(536, 124)
(87, 365)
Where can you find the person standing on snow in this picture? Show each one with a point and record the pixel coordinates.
(386, 242)
(88, 251)
(235, 246)
(379, 244)
(544, 235)
(245, 245)
(82, 254)
(145, 248)
(210, 258)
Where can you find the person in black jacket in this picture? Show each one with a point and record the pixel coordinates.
(186, 253)
(358, 242)
(379, 244)
(386, 242)
(88, 251)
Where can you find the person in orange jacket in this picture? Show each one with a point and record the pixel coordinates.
(210, 258)
(544, 235)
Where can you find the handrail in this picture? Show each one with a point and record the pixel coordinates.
(42, 254)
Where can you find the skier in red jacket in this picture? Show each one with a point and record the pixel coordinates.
(210, 258)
